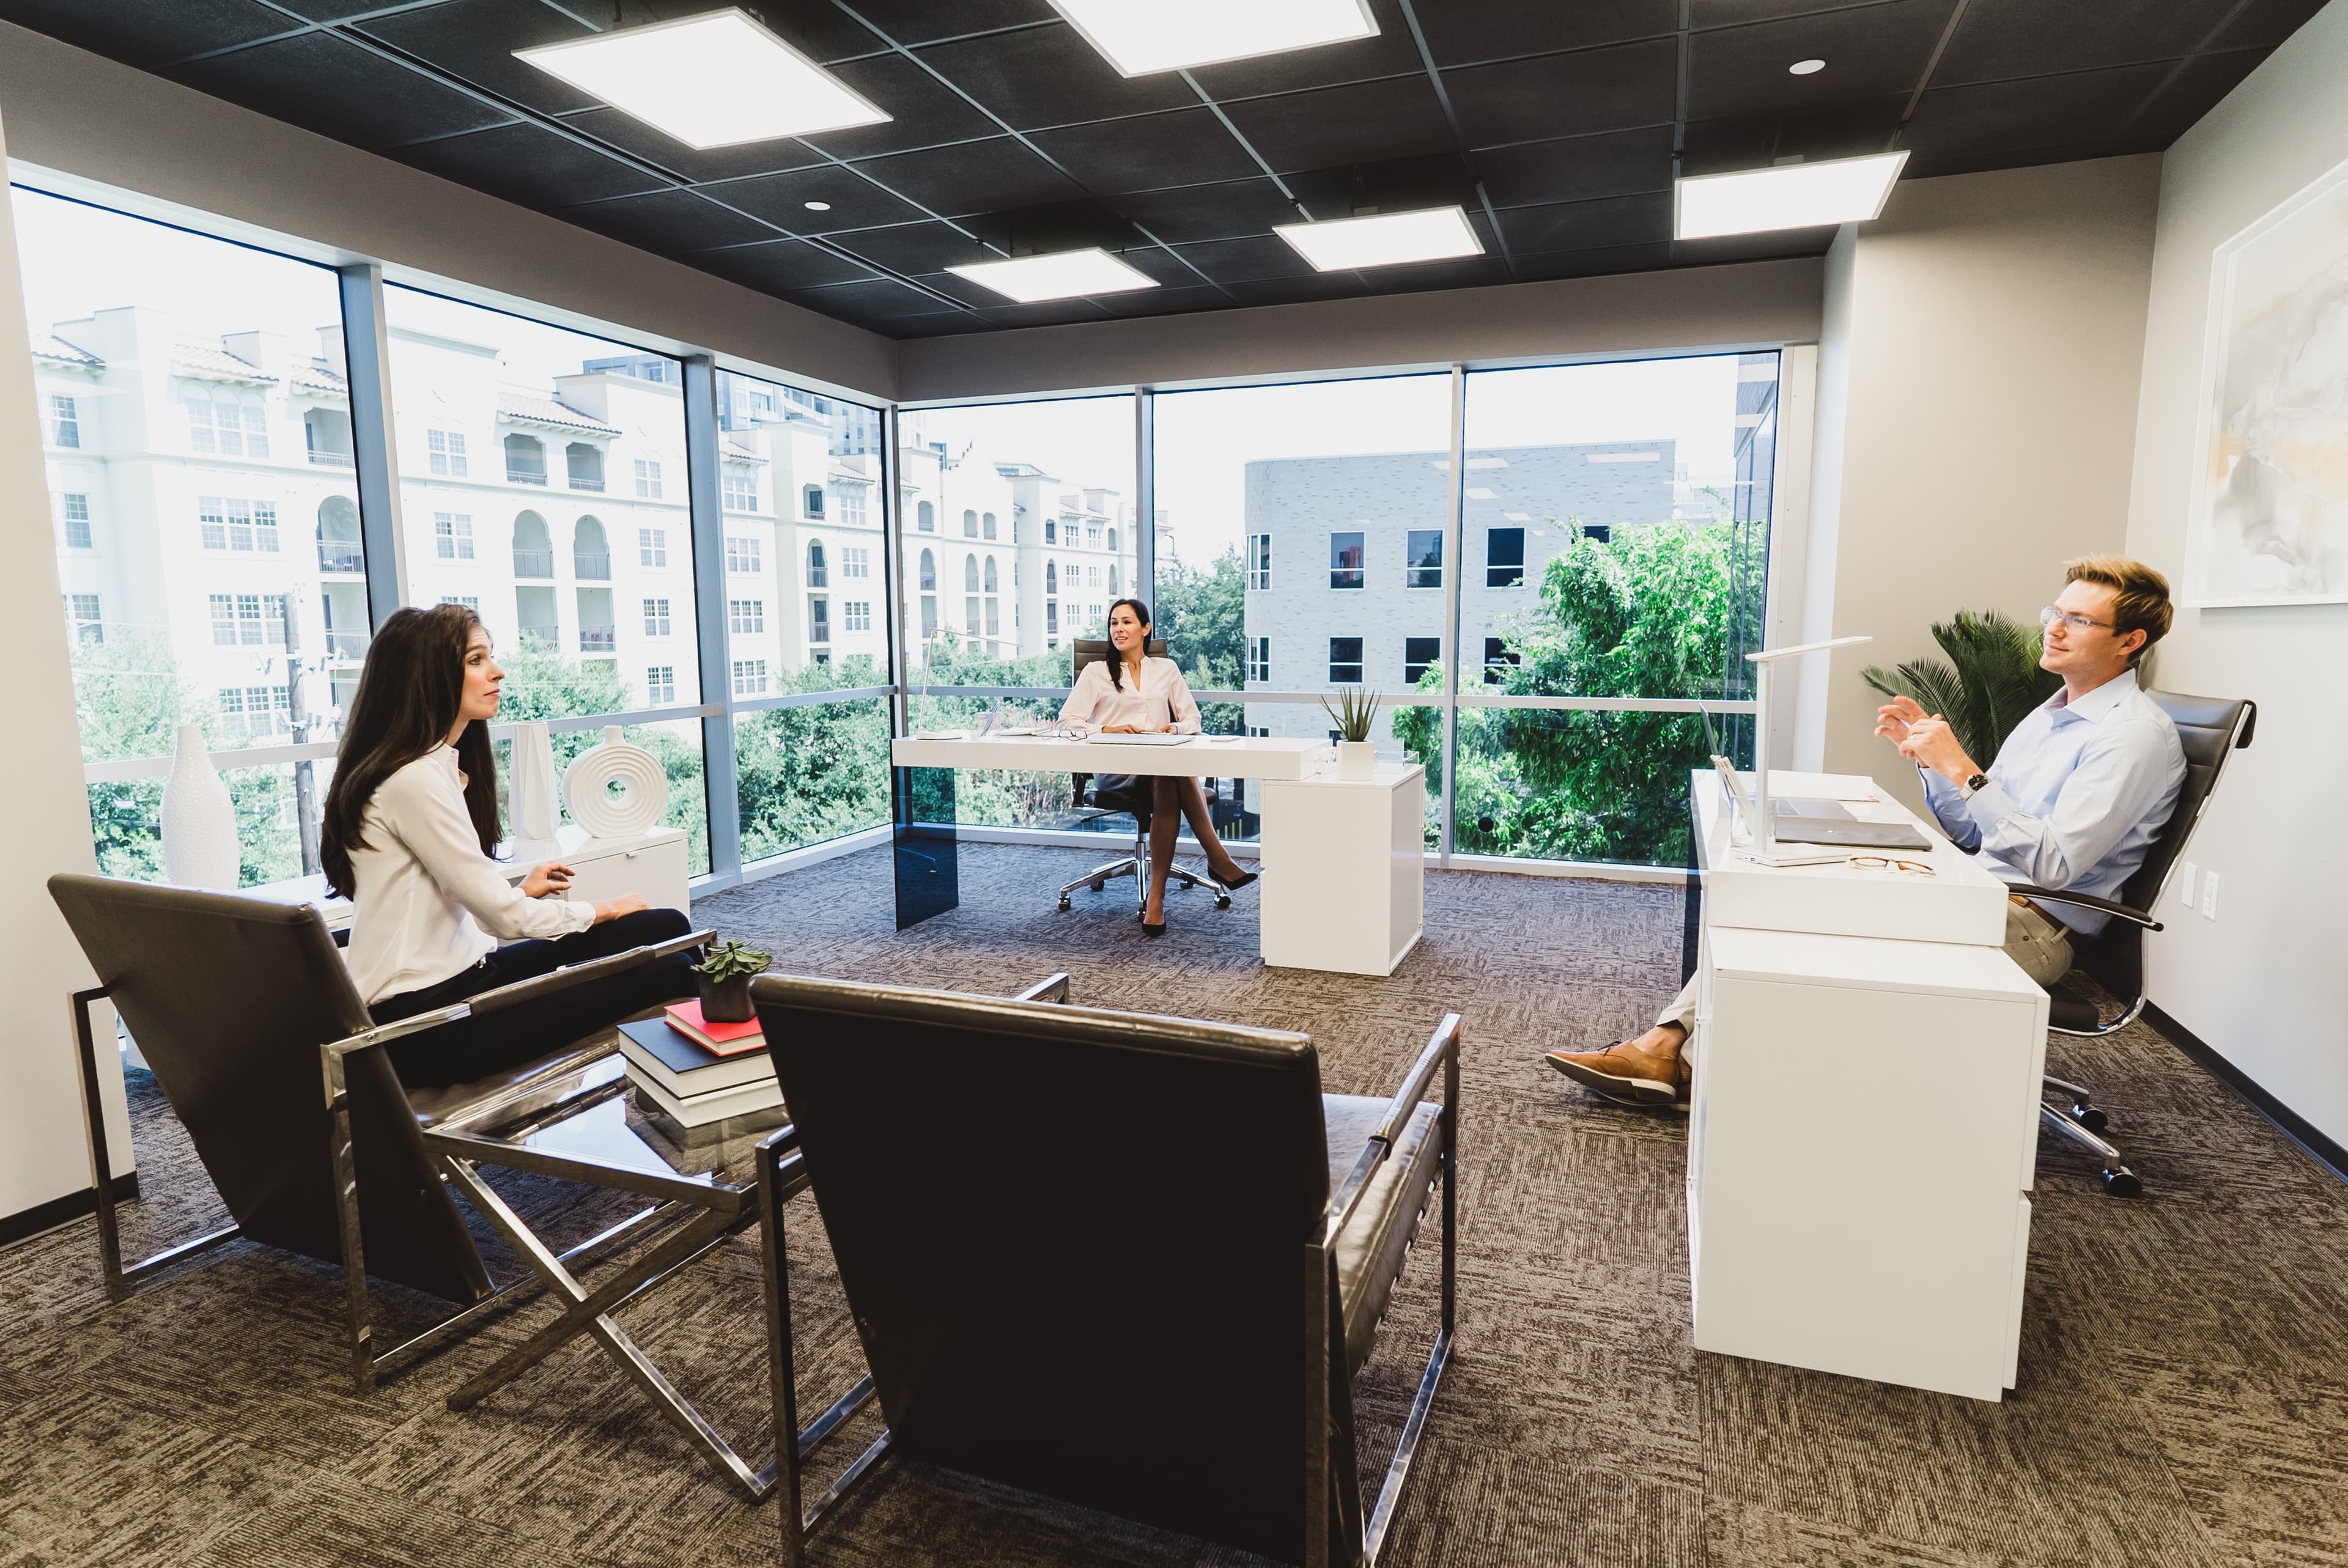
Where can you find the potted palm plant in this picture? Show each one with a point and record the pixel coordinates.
(1357, 753)
(723, 977)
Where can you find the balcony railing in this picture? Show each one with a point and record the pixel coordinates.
(339, 556)
(525, 475)
(346, 644)
(534, 563)
(550, 635)
(330, 459)
(580, 482)
(820, 631)
(598, 639)
(597, 567)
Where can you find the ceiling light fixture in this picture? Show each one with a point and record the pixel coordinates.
(1789, 196)
(712, 80)
(1139, 39)
(816, 206)
(1807, 67)
(1384, 240)
(1071, 274)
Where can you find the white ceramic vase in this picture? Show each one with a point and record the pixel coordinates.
(615, 789)
(200, 848)
(1357, 760)
(536, 791)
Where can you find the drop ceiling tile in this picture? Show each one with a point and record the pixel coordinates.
(1166, 301)
(1503, 29)
(2043, 111)
(1586, 225)
(149, 33)
(855, 201)
(1185, 146)
(2202, 81)
(1754, 142)
(632, 136)
(1225, 211)
(475, 40)
(927, 111)
(2003, 39)
(1579, 167)
(876, 299)
(1045, 314)
(1591, 264)
(1366, 122)
(666, 222)
(1617, 88)
(1389, 53)
(1958, 160)
(337, 88)
(926, 21)
(1459, 273)
(1245, 261)
(816, 28)
(916, 248)
(1724, 247)
(330, 10)
(995, 176)
(1050, 76)
(779, 266)
(1298, 291)
(522, 163)
(954, 286)
(1734, 13)
(1868, 54)
(2265, 23)
(941, 323)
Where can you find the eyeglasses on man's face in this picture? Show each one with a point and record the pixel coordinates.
(1897, 868)
(2072, 619)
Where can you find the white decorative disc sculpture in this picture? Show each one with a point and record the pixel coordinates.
(615, 789)
(537, 803)
(200, 848)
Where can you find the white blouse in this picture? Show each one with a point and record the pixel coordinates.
(1161, 697)
(430, 905)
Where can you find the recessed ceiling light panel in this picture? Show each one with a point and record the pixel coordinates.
(1789, 196)
(712, 80)
(1139, 36)
(1384, 240)
(1071, 274)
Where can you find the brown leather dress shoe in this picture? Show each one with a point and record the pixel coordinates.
(1621, 1076)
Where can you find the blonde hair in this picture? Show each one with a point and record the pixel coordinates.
(2142, 604)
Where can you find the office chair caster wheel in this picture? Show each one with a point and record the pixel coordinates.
(2089, 1117)
(2121, 1182)
(1097, 887)
(1222, 900)
(1064, 903)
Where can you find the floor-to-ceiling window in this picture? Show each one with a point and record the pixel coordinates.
(542, 483)
(196, 434)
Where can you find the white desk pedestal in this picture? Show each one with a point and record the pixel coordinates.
(1343, 879)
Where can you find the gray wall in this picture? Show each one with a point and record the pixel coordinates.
(2264, 984)
(82, 114)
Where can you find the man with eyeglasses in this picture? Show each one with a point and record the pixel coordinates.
(2072, 802)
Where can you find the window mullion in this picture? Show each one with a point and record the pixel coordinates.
(1454, 528)
(374, 457)
(708, 531)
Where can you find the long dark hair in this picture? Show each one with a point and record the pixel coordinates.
(408, 699)
(1116, 660)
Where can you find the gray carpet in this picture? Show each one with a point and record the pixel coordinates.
(2184, 1394)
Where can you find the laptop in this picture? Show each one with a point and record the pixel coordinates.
(1805, 819)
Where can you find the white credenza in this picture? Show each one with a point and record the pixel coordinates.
(1864, 1117)
(652, 863)
(1344, 885)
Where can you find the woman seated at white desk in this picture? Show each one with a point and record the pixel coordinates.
(410, 827)
(1130, 693)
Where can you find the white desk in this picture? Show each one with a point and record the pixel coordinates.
(1344, 884)
(1864, 1117)
(652, 863)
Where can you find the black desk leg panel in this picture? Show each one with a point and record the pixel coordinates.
(922, 811)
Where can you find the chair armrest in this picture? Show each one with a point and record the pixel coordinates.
(1442, 1050)
(1052, 988)
(2089, 901)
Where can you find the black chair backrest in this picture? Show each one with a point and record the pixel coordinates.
(2208, 728)
(1073, 1242)
(229, 999)
(1094, 650)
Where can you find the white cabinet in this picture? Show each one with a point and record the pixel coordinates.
(1344, 870)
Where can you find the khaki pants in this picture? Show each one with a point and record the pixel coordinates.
(2037, 941)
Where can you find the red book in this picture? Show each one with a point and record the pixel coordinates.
(725, 1038)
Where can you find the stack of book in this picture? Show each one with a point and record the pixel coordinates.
(703, 1077)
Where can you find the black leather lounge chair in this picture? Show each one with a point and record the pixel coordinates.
(1129, 1262)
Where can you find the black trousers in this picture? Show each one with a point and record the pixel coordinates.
(477, 1046)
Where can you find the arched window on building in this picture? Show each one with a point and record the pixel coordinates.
(987, 524)
(990, 574)
(929, 572)
(1112, 538)
(970, 574)
(591, 552)
(925, 517)
(339, 549)
(533, 547)
(817, 576)
(1051, 578)
(969, 524)
(1113, 589)
(525, 460)
(812, 501)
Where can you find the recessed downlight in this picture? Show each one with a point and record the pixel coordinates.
(818, 206)
(1807, 67)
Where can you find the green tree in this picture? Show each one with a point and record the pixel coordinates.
(813, 773)
(1202, 616)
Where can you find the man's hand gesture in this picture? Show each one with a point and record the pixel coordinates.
(1924, 739)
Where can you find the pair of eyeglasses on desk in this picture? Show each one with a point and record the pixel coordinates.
(1884, 862)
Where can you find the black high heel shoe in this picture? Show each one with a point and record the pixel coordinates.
(1243, 879)
(1149, 931)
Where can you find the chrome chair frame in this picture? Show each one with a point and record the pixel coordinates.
(699, 1211)
(781, 1172)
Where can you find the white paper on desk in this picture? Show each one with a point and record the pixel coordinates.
(1786, 785)
(1017, 730)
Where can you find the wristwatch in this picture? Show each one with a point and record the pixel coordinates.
(1966, 790)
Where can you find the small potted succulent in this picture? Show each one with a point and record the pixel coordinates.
(1356, 752)
(723, 978)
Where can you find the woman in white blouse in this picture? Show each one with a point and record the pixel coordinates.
(407, 834)
(1130, 694)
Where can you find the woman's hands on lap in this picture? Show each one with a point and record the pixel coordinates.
(613, 908)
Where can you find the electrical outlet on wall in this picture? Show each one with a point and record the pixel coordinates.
(2209, 897)
(2188, 884)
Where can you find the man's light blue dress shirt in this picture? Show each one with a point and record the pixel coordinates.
(2077, 794)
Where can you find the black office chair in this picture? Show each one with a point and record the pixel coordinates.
(2210, 729)
(1130, 793)
(1143, 1281)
